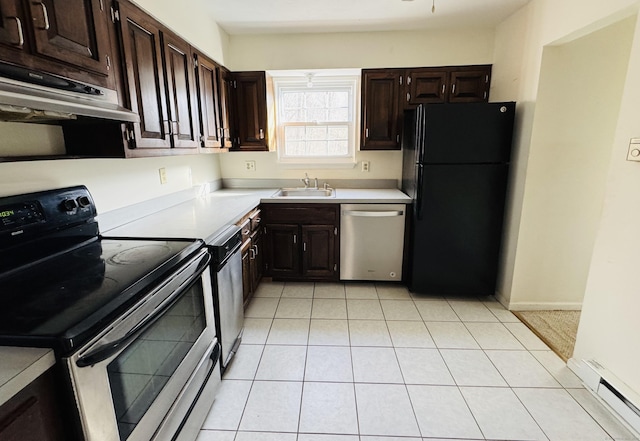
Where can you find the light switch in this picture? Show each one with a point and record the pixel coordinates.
(634, 150)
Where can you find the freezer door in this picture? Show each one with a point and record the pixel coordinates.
(456, 239)
(468, 133)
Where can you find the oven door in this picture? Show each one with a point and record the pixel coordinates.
(138, 379)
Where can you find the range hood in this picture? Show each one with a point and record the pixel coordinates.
(30, 96)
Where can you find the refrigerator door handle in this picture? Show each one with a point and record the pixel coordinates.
(419, 178)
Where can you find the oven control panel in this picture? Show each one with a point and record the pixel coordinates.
(26, 216)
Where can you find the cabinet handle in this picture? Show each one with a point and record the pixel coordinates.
(261, 135)
(252, 256)
(366, 133)
(20, 33)
(295, 238)
(45, 15)
(444, 88)
(408, 81)
(255, 247)
(401, 80)
(408, 97)
(108, 62)
(304, 246)
(453, 88)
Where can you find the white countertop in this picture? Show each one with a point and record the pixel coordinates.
(205, 217)
(19, 367)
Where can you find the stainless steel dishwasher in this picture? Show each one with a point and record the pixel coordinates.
(371, 241)
(228, 296)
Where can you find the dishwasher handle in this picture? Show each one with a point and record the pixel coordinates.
(358, 213)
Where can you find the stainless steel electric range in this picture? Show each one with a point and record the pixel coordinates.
(130, 320)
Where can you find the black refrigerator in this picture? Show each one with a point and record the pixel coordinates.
(455, 168)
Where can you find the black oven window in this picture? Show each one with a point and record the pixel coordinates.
(139, 373)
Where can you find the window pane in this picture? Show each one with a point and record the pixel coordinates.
(335, 133)
(338, 148)
(317, 148)
(317, 121)
(336, 115)
(338, 99)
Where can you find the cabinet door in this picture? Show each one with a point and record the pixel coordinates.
(208, 88)
(145, 77)
(246, 272)
(35, 413)
(227, 109)
(181, 88)
(381, 109)
(257, 261)
(283, 250)
(472, 85)
(318, 251)
(72, 31)
(251, 106)
(12, 24)
(426, 86)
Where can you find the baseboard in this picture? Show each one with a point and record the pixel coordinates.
(616, 396)
(543, 306)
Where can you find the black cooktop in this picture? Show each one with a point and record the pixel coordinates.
(62, 301)
(60, 281)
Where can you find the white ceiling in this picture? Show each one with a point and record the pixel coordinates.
(296, 16)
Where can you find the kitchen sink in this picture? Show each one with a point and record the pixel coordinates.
(302, 192)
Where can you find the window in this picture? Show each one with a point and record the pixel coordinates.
(316, 119)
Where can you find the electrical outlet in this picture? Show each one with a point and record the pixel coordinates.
(366, 166)
(250, 165)
(163, 175)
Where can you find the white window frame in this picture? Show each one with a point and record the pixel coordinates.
(301, 82)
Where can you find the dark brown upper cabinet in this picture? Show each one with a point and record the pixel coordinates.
(387, 92)
(64, 37)
(426, 86)
(381, 91)
(181, 92)
(250, 89)
(227, 109)
(470, 85)
(209, 103)
(160, 86)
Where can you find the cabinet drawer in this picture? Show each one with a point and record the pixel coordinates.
(245, 227)
(256, 220)
(312, 214)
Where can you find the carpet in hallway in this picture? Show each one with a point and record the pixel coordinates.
(557, 329)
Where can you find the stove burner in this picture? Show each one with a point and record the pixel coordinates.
(141, 254)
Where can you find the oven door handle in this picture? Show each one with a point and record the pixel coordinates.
(105, 351)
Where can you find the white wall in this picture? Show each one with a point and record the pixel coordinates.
(361, 49)
(609, 326)
(188, 21)
(579, 93)
(349, 50)
(114, 183)
(519, 46)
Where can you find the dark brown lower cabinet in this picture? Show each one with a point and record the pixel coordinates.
(302, 242)
(252, 254)
(34, 413)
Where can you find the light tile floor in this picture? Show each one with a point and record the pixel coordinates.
(372, 362)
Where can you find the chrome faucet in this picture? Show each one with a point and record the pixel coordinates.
(316, 183)
(305, 180)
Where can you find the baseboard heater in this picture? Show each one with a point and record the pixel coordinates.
(613, 392)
